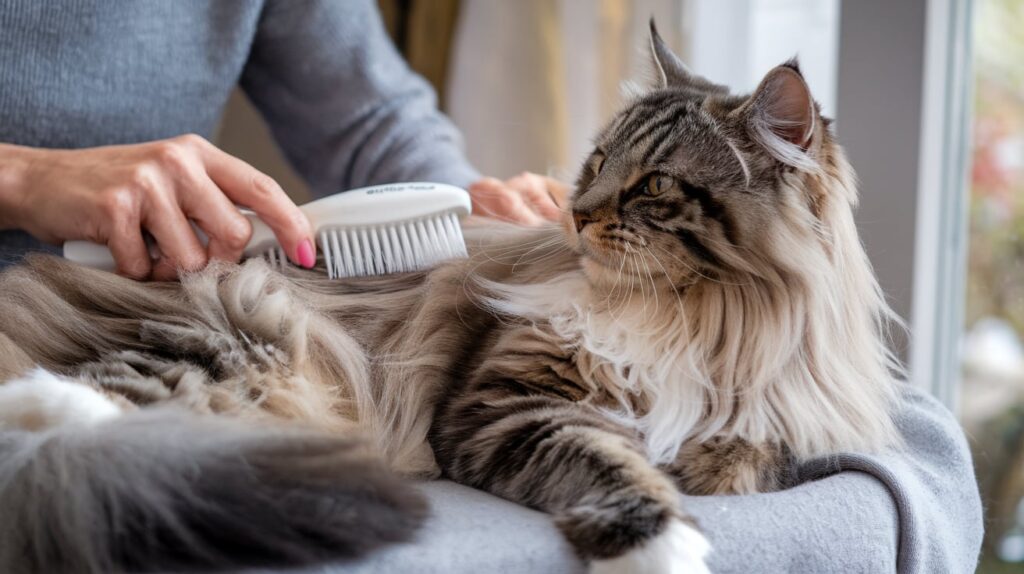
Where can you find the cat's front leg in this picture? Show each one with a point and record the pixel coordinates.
(730, 466)
(566, 458)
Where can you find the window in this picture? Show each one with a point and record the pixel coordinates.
(992, 396)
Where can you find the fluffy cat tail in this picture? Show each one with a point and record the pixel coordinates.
(164, 490)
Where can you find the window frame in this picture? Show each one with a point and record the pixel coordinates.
(940, 263)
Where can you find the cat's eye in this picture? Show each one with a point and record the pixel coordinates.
(659, 184)
(597, 162)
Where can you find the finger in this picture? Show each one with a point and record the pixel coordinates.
(488, 183)
(180, 248)
(525, 215)
(227, 229)
(494, 198)
(481, 193)
(130, 252)
(164, 269)
(558, 190)
(247, 186)
(534, 189)
(543, 204)
(484, 194)
(526, 181)
(502, 203)
(549, 195)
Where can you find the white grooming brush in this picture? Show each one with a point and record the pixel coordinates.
(367, 231)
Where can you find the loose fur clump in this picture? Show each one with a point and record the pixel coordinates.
(704, 318)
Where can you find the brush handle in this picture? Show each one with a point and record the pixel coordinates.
(367, 206)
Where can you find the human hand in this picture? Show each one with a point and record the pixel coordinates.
(528, 198)
(110, 195)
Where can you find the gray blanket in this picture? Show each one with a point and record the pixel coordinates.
(914, 512)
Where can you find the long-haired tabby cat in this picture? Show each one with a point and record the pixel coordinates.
(705, 319)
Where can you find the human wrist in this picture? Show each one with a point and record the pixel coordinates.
(15, 165)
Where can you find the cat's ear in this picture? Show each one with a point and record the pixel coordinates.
(781, 114)
(670, 71)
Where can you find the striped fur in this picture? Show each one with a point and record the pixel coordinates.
(702, 319)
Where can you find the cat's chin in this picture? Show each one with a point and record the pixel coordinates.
(601, 276)
(604, 276)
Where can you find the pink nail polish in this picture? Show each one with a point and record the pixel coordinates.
(305, 254)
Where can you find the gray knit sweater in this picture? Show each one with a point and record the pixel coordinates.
(339, 99)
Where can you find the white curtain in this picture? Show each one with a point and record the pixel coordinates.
(532, 80)
(736, 42)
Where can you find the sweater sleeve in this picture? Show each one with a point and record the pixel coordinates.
(342, 103)
(912, 511)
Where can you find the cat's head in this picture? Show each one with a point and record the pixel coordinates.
(691, 182)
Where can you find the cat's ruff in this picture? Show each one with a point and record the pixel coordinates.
(642, 344)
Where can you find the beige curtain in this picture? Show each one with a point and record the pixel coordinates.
(531, 81)
(423, 31)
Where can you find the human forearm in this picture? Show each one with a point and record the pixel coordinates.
(343, 104)
(14, 165)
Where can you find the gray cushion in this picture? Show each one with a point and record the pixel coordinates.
(915, 511)
(473, 531)
(470, 531)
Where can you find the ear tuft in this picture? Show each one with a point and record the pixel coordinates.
(793, 64)
(672, 72)
(658, 56)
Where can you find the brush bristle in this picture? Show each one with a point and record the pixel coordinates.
(386, 249)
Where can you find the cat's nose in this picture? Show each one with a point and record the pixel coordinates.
(581, 219)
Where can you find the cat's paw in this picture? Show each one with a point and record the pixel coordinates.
(679, 549)
(41, 400)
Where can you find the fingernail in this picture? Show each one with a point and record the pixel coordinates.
(305, 254)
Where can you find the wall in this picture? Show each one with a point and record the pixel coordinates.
(881, 70)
